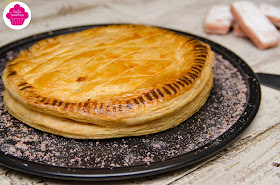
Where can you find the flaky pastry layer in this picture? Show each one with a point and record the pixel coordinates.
(74, 129)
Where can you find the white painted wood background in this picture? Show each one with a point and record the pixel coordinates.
(249, 160)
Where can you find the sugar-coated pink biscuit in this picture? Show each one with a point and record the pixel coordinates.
(256, 26)
(272, 13)
(237, 30)
(218, 19)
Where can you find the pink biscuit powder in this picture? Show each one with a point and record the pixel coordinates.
(17, 15)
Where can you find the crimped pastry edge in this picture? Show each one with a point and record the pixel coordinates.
(152, 110)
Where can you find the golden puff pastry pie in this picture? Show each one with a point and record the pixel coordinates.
(111, 81)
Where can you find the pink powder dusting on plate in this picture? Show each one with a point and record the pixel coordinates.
(224, 106)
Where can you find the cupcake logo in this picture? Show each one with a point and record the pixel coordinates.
(17, 15)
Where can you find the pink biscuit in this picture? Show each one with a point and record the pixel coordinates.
(237, 30)
(256, 26)
(272, 13)
(218, 19)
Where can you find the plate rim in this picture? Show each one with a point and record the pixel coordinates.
(95, 174)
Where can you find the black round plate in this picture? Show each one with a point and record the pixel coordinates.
(230, 108)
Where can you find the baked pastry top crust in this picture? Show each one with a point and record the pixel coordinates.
(110, 76)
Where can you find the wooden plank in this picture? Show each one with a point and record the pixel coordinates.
(247, 161)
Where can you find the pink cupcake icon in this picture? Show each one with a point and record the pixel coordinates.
(17, 15)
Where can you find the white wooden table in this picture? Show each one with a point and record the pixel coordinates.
(249, 160)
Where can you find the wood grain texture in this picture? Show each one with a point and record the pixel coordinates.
(247, 161)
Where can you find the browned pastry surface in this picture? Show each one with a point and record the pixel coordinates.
(110, 76)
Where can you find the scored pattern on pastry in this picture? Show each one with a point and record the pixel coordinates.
(95, 106)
